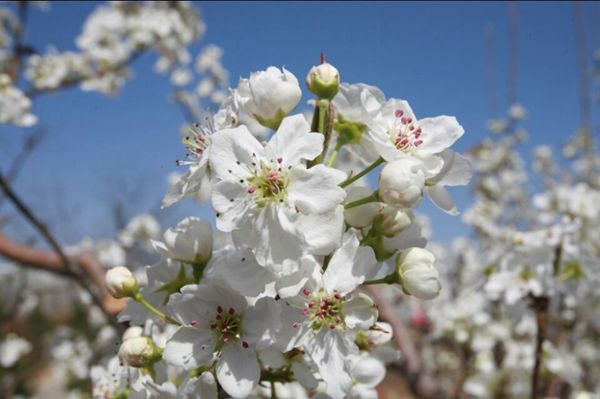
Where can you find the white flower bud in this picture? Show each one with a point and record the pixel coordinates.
(190, 241)
(269, 95)
(120, 282)
(137, 351)
(395, 220)
(133, 332)
(360, 216)
(323, 81)
(401, 183)
(417, 274)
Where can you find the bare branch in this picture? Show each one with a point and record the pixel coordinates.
(64, 262)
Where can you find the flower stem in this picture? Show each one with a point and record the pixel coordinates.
(389, 279)
(139, 298)
(361, 174)
(371, 198)
(334, 155)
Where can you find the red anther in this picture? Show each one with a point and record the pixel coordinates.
(245, 344)
(306, 291)
(193, 322)
(218, 317)
(305, 311)
(408, 120)
(225, 338)
(337, 295)
(399, 113)
(213, 326)
(251, 190)
(231, 311)
(272, 175)
(311, 305)
(404, 121)
(219, 309)
(411, 128)
(418, 143)
(279, 160)
(295, 324)
(332, 326)
(319, 314)
(338, 319)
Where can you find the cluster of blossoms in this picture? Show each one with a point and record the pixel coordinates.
(272, 304)
(113, 36)
(525, 291)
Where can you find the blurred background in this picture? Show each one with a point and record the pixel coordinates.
(95, 149)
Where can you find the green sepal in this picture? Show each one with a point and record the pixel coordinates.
(271, 123)
(349, 132)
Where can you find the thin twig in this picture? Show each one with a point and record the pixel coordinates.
(66, 263)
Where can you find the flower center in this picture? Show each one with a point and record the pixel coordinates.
(227, 326)
(405, 134)
(324, 310)
(268, 184)
(197, 142)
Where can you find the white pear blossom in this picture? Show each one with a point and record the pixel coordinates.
(265, 191)
(269, 95)
(417, 274)
(401, 183)
(321, 317)
(218, 325)
(190, 241)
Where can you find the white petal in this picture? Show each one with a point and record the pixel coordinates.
(238, 370)
(293, 142)
(272, 236)
(457, 170)
(262, 322)
(201, 387)
(442, 199)
(368, 370)
(189, 347)
(349, 266)
(439, 133)
(231, 202)
(330, 350)
(231, 150)
(322, 233)
(316, 190)
(360, 312)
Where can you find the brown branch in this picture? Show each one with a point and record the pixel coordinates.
(540, 306)
(51, 262)
(65, 263)
(422, 384)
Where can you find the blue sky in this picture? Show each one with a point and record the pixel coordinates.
(431, 54)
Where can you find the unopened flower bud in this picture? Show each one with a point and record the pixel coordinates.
(323, 81)
(360, 216)
(138, 352)
(395, 220)
(417, 274)
(401, 183)
(190, 241)
(269, 95)
(120, 282)
(133, 332)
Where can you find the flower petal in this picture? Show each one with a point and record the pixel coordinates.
(231, 150)
(293, 142)
(231, 202)
(238, 370)
(350, 265)
(442, 199)
(190, 347)
(439, 133)
(360, 312)
(316, 190)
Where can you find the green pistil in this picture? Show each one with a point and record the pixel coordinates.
(268, 186)
(325, 311)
